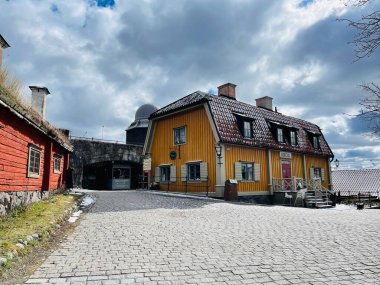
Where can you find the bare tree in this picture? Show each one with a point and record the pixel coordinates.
(371, 107)
(366, 41)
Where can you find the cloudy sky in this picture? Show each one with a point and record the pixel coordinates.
(102, 59)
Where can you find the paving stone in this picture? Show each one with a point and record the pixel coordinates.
(132, 237)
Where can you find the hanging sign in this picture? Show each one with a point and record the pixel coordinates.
(147, 164)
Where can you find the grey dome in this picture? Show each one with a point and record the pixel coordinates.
(145, 111)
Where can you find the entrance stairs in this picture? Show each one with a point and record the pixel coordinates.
(317, 200)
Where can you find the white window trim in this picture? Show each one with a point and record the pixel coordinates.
(39, 150)
(282, 135)
(60, 162)
(250, 129)
(295, 138)
(181, 143)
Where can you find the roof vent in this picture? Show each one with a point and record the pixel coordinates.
(227, 90)
(265, 102)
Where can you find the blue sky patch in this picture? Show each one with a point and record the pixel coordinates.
(54, 8)
(106, 3)
(212, 91)
(305, 3)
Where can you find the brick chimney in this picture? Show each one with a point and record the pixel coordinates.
(39, 99)
(3, 45)
(265, 102)
(227, 90)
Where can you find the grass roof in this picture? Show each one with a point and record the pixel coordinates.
(10, 95)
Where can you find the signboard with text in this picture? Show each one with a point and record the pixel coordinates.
(147, 164)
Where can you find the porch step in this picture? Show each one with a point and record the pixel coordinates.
(324, 206)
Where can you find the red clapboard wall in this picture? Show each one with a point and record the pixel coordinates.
(15, 136)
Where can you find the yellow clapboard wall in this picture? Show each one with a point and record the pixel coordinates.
(234, 153)
(199, 146)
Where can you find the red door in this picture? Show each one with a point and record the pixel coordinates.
(286, 172)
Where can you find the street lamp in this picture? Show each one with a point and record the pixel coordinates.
(336, 161)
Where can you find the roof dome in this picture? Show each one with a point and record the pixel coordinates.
(145, 111)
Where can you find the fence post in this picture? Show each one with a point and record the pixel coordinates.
(167, 189)
(186, 185)
(207, 186)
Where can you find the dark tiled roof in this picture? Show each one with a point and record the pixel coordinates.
(351, 182)
(224, 109)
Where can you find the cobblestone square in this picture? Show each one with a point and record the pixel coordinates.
(132, 237)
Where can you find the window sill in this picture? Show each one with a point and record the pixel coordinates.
(57, 172)
(248, 181)
(179, 143)
(33, 176)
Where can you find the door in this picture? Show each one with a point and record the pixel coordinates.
(121, 178)
(286, 174)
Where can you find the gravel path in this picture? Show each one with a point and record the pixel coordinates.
(136, 237)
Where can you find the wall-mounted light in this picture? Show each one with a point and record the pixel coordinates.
(336, 161)
(218, 149)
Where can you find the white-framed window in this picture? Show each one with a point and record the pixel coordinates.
(280, 135)
(293, 138)
(165, 173)
(194, 171)
(57, 163)
(34, 161)
(247, 128)
(179, 135)
(247, 171)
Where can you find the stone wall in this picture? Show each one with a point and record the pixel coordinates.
(88, 151)
(12, 200)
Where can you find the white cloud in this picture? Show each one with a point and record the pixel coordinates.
(100, 64)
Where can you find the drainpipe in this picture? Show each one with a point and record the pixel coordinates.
(270, 177)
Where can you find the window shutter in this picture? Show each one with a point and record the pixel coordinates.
(238, 175)
(311, 173)
(204, 171)
(173, 173)
(157, 174)
(323, 174)
(183, 172)
(256, 171)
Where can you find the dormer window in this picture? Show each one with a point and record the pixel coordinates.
(293, 138)
(280, 135)
(245, 125)
(316, 142)
(247, 129)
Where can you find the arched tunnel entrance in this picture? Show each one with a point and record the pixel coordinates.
(111, 175)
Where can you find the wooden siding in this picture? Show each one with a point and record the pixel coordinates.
(276, 165)
(318, 162)
(199, 146)
(15, 137)
(234, 154)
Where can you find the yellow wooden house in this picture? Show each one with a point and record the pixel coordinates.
(201, 140)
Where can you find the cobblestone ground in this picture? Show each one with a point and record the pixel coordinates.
(144, 238)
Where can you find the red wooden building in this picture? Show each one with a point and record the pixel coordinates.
(34, 156)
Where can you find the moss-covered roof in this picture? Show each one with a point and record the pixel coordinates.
(16, 105)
